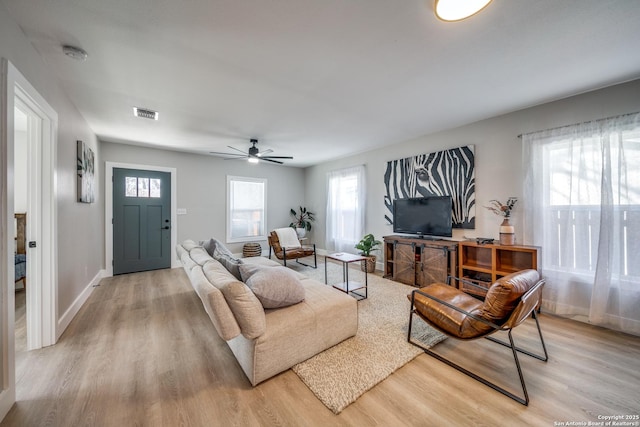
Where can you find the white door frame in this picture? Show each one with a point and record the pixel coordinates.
(42, 320)
(108, 209)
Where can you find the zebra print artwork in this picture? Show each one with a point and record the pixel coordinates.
(443, 173)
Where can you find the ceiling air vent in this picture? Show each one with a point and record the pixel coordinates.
(145, 114)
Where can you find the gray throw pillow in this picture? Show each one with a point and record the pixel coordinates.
(248, 270)
(212, 245)
(276, 287)
(231, 263)
(208, 245)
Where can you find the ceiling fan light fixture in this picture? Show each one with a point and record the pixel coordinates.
(457, 10)
(253, 160)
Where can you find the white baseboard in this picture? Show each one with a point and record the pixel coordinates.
(71, 312)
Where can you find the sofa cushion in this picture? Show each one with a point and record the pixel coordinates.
(199, 255)
(275, 287)
(215, 305)
(189, 244)
(243, 303)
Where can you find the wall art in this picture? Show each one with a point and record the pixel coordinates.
(86, 173)
(443, 173)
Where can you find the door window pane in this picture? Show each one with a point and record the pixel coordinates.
(131, 184)
(143, 187)
(154, 184)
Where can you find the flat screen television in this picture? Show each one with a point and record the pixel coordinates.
(425, 216)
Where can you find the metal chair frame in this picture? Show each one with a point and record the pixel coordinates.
(523, 400)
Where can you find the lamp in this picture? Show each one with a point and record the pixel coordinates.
(457, 10)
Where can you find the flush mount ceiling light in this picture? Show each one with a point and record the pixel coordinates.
(145, 113)
(457, 10)
(74, 52)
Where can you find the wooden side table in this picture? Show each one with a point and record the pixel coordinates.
(346, 286)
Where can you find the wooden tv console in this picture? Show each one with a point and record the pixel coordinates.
(419, 262)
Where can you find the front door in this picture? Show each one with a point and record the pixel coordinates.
(141, 220)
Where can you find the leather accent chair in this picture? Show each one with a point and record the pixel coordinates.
(284, 254)
(508, 303)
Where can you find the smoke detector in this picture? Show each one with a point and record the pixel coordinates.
(74, 52)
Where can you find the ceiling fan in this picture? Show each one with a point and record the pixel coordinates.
(253, 155)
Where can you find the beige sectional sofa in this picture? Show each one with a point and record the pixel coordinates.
(267, 341)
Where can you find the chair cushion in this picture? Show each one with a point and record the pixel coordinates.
(504, 295)
(446, 319)
(275, 287)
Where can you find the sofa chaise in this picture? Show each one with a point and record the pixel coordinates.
(267, 341)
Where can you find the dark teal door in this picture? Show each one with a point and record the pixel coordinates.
(141, 220)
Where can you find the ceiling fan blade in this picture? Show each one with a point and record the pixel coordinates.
(234, 148)
(272, 161)
(262, 153)
(235, 158)
(217, 153)
(277, 157)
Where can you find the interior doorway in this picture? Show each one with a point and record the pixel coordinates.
(42, 128)
(20, 205)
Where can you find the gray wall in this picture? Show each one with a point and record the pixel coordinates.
(498, 154)
(202, 184)
(80, 241)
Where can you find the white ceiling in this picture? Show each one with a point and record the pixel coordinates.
(321, 79)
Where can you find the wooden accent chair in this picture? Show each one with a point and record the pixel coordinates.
(291, 251)
(508, 303)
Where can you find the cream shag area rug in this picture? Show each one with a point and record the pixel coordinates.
(341, 374)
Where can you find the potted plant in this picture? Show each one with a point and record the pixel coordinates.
(366, 246)
(303, 219)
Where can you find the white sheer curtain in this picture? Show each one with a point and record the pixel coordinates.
(582, 206)
(345, 208)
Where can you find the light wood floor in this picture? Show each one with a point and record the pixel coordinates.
(142, 352)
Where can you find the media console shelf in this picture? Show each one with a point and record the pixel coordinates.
(484, 264)
(419, 262)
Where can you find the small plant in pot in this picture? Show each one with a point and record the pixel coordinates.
(302, 221)
(366, 246)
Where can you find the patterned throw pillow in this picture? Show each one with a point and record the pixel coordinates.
(224, 257)
(275, 287)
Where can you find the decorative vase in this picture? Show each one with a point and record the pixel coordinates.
(301, 231)
(368, 265)
(507, 233)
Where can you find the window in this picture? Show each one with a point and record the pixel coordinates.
(345, 208)
(246, 209)
(583, 209)
(142, 187)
